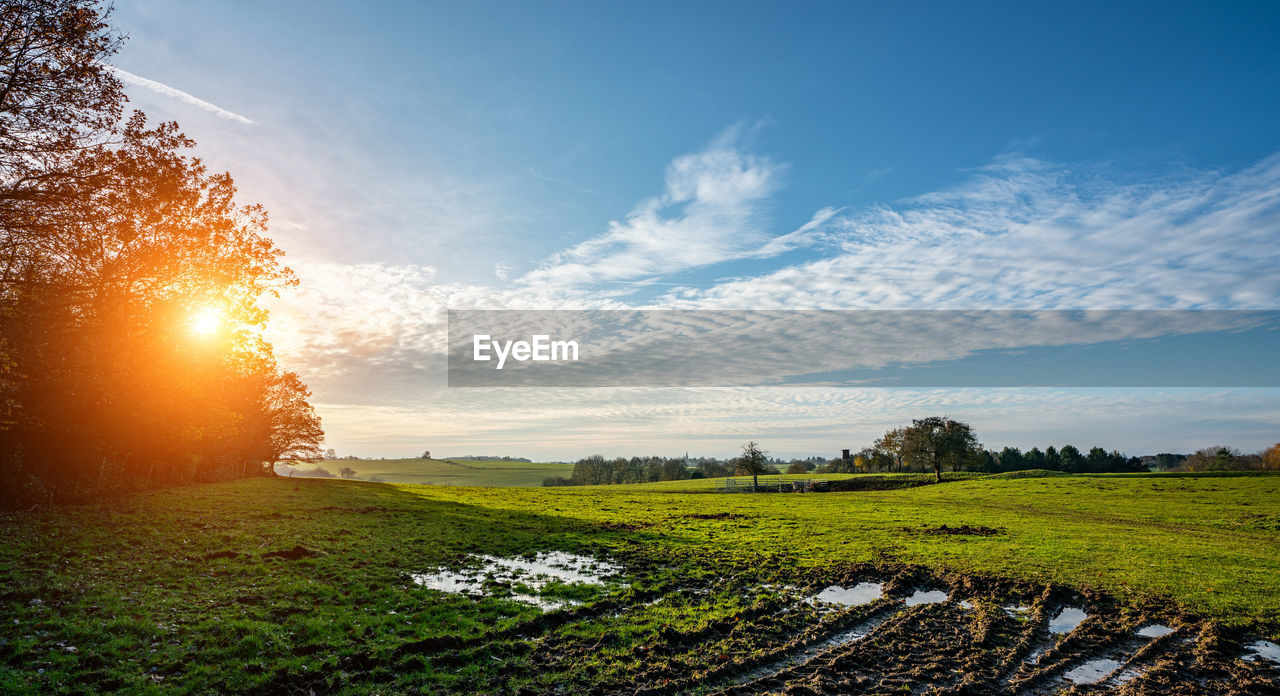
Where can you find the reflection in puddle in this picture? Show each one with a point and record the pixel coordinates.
(1067, 620)
(1093, 671)
(1017, 611)
(522, 575)
(1265, 649)
(862, 593)
(923, 597)
(1155, 631)
(966, 605)
(1128, 675)
(805, 655)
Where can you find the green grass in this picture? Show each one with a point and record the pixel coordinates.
(451, 472)
(129, 584)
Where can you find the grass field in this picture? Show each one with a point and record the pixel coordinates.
(211, 580)
(451, 472)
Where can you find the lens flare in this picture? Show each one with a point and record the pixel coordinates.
(205, 321)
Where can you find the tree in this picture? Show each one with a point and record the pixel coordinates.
(347, 472)
(752, 461)
(1072, 461)
(58, 97)
(799, 466)
(1011, 459)
(938, 441)
(426, 455)
(1216, 458)
(1271, 457)
(1052, 459)
(330, 453)
(1034, 459)
(111, 236)
(894, 443)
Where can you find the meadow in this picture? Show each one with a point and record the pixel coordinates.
(296, 585)
(450, 472)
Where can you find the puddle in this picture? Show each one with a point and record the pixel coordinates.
(966, 605)
(1092, 671)
(1017, 611)
(1128, 675)
(1155, 631)
(1067, 620)
(1265, 649)
(862, 593)
(522, 575)
(926, 597)
(806, 655)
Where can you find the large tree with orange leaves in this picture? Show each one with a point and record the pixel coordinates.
(111, 236)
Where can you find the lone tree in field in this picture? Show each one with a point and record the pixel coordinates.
(938, 441)
(754, 462)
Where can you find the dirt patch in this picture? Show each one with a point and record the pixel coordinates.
(966, 644)
(219, 554)
(962, 530)
(625, 526)
(293, 554)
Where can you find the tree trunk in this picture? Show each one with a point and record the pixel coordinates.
(755, 483)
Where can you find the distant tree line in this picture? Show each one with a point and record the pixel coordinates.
(596, 471)
(923, 447)
(934, 444)
(487, 458)
(112, 237)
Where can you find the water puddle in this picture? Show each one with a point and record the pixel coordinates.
(805, 655)
(1092, 671)
(1036, 654)
(862, 593)
(1265, 649)
(1155, 631)
(1067, 620)
(1017, 611)
(1128, 675)
(524, 577)
(926, 597)
(966, 605)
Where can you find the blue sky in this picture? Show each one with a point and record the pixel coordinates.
(418, 156)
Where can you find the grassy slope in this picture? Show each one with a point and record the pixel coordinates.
(127, 584)
(452, 472)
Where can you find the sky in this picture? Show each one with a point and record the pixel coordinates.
(420, 157)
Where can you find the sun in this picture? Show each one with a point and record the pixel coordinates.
(205, 321)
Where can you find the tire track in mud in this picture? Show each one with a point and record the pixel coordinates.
(786, 644)
(949, 650)
(805, 663)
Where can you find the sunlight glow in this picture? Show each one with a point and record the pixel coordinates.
(205, 321)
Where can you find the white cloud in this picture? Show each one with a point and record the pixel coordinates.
(1018, 233)
(714, 208)
(166, 90)
(1028, 234)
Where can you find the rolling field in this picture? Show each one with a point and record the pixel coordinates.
(452, 472)
(310, 585)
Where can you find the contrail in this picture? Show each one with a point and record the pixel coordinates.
(168, 91)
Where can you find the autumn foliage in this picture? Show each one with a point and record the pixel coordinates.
(112, 237)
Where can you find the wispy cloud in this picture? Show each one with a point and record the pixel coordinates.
(714, 208)
(166, 90)
(1017, 233)
(1022, 233)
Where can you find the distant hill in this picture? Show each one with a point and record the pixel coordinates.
(441, 472)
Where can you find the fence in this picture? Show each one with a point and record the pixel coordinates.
(780, 484)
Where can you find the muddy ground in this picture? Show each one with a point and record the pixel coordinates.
(975, 636)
